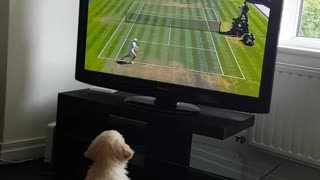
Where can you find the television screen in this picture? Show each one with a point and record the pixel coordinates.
(213, 45)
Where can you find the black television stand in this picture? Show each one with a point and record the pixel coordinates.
(162, 141)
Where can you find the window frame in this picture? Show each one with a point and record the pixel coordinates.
(290, 42)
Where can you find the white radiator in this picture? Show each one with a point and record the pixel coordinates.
(292, 128)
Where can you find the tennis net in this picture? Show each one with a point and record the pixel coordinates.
(168, 20)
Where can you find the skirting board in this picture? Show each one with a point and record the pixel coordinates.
(23, 150)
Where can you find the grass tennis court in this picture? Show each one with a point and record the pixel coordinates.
(179, 43)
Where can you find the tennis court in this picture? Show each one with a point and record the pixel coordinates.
(174, 37)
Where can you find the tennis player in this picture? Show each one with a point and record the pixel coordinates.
(132, 51)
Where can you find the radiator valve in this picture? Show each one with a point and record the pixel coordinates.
(241, 139)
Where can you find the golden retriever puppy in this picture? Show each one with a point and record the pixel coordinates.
(110, 155)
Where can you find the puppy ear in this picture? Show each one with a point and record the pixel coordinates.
(92, 150)
(122, 151)
(127, 152)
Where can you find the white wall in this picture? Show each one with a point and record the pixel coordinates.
(41, 63)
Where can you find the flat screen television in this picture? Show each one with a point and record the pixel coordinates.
(219, 53)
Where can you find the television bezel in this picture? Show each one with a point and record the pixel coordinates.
(182, 93)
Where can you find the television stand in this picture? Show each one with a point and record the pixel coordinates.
(162, 141)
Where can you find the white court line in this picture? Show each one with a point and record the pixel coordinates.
(205, 16)
(171, 5)
(187, 47)
(208, 8)
(234, 56)
(172, 14)
(123, 19)
(187, 18)
(104, 48)
(128, 33)
(170, 31)
(159, 65)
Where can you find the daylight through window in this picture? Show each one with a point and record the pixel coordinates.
(310, 19)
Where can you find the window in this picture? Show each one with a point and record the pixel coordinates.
(295, 47)
(292, 35)
(309, 26)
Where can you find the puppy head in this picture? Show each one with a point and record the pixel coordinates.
(109, 145)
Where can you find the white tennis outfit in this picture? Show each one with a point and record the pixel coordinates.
(132, 48)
